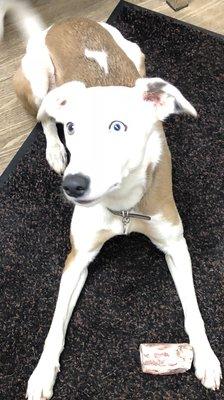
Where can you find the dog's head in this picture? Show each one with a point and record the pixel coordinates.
(107, 129)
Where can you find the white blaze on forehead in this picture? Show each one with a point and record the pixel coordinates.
(99, 56)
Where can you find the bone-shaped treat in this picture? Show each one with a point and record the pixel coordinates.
(165, 358)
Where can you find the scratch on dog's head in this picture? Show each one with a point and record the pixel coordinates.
(107, 128)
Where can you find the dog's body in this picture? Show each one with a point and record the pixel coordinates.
(119, 161)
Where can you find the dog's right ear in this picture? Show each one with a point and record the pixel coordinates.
(57, 101)
(165, 98)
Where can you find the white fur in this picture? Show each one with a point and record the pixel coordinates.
(55, 151)
(169, 95)
(163, 231)
(93, 134)
(169, 239)
(39, 71)
(24, 16)
(41, 382)
(132, 50)
(116, 164)
(37, 66)
(207, 366)
(3, 10)
(92, 110)
(96, 218)
(154, 146)
(100, 57)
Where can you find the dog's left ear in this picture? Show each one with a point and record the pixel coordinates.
(58, 101)
(165, 98)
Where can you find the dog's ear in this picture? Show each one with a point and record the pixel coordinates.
(57, 101)
(165, 98)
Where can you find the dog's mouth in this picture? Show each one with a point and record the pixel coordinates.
(85, 201)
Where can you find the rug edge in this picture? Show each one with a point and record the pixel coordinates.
(123, 3)
(19, 154)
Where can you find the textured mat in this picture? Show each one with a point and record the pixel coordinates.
(129, 296)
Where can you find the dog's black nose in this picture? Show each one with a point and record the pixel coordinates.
(76, 185)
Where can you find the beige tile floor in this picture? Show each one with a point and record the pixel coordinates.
(15, 123)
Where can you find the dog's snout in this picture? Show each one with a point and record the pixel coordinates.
(76, 185)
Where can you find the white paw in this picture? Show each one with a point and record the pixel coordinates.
(41, 382)
(207, 368)
(56, 157)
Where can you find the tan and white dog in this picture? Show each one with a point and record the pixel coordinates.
(87, 76)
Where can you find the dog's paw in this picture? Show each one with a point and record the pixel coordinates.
(56, 157)
(208, 369)
(41, 382)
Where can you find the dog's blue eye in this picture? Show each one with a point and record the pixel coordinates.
(117, 126)
(70, 128)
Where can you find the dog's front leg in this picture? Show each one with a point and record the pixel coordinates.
(41, 382)
(207, 366)
(55, 150)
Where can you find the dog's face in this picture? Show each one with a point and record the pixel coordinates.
(106, 131)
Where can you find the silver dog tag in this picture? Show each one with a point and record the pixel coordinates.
(125, 221)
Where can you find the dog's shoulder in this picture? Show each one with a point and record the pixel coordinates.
(158, 198)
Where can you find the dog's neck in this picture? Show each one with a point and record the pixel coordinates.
(130, 192)
(135, 185)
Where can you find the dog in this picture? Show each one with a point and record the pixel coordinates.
(88, 77)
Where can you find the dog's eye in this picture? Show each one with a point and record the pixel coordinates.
(70, 128)
(117, 126)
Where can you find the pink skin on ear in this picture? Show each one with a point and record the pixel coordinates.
(152, 96)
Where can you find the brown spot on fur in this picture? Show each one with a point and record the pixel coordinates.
(24, 92)
(76, 35)
(63, 103)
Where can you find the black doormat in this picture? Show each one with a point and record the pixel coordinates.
(129, 296)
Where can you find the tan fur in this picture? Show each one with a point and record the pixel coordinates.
(67, 41)
(101, 237)
(70, 258)
(158, 198)
(24, 92)
(76, 35)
